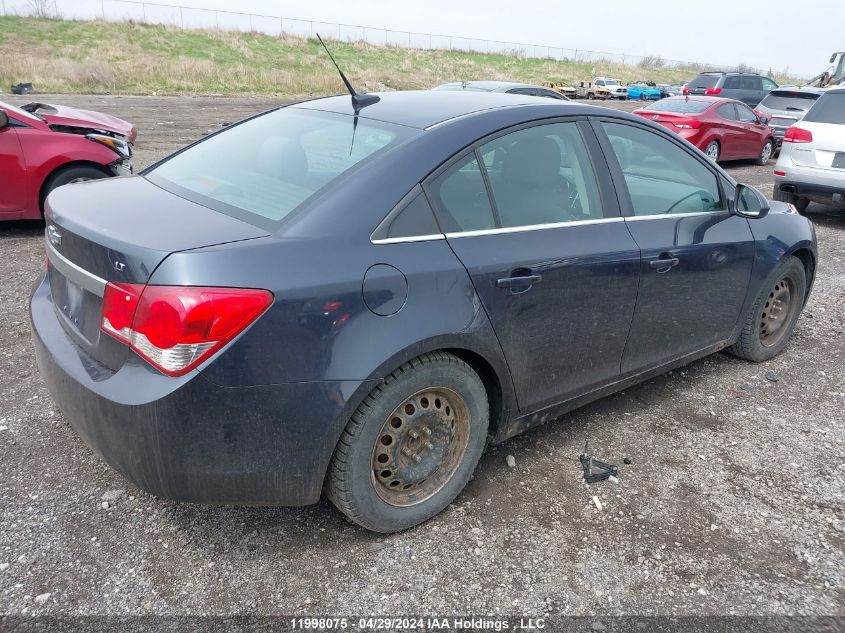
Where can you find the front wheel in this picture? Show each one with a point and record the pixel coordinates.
(412, 445)
(765, 153)
(771, 320)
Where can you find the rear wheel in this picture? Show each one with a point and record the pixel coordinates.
(765, 152)
(713, 150)
(771, 320)
(411, 446)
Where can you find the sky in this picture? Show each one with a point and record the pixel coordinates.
(713, 31)
(784, 35)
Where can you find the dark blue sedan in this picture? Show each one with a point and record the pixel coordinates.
(357, 300)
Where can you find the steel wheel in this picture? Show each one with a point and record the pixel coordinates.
(420, 446)
(712, 151)
(777, 311)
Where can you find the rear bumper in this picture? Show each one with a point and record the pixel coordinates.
(827, 191)
(186, 438)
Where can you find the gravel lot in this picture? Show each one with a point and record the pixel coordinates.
(734, 502)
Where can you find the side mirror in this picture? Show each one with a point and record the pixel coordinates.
(749, 202)
(762, 119)
(4, 119)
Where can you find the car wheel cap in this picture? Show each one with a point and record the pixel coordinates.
(420, 446)
(713, 151)
(777, 312)
(766, 154)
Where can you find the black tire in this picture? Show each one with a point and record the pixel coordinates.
(66, 175)
(764, 156)
(757, 341)
(354, 483)
(800, 203)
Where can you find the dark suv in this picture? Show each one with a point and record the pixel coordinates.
(749, 88)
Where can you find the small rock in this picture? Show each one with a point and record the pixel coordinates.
(713, 527)
(613, 480)
(702, 457)
(627, 460)
(511, 461)
(597, 503)
(112, 495)
(105, 505)
(4, 566)
(41, 598)
(701, 591)
(772, 376)
(4, 428)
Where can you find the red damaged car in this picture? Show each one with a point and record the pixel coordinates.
(724, 129)
(44, 146)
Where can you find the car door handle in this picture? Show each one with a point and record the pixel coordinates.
(519, 281)
(664, 264)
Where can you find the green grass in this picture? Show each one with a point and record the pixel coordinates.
(129, 58)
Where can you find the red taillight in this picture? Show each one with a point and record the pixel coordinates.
(713, 91)
(797, 135)
(778, 172)
(688, 124)
(175, 328)
(685, 90)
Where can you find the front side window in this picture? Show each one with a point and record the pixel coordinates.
(752, 83)
(262, 169)
(662, 178)
(768, 84)
(745, 114)
(731, 83)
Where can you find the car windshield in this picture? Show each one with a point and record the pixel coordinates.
(830, 108)
(704, 81)
(611, 82)
(262, 169)
(789, 100)
(22, 114)
(680, 106)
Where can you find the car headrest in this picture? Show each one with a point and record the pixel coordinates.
(533, 161)
(282, 158)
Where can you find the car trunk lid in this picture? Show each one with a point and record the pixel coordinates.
(119, 231)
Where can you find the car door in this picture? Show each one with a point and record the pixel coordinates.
(732, 132)
(534, 220)
(13, 175)
(752, 131)
(696, 255)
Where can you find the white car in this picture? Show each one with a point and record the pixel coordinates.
(811, 166)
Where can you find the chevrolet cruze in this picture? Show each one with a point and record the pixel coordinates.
(356, 297)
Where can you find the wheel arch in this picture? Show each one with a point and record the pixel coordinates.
(42, 190)
(808, 259)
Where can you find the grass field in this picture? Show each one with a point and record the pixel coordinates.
(104, 57)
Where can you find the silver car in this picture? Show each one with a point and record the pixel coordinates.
(811, 166)
(787, 105)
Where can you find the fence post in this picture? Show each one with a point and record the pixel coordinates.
(143, 13)
(181, 18)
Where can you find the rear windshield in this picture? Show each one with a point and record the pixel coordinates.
(681, 106)
(262, 169)
(830, 108)
(789, 100)
(704, 81)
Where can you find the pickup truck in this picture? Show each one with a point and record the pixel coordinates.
(602, 88)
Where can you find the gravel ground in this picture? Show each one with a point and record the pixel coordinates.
(734, 502)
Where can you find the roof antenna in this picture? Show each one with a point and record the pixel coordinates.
(358, 100)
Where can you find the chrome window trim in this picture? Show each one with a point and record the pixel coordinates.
(76, 274)
(531, 227)
(665, 216)
(411, 238)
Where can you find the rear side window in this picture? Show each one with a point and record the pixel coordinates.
(727, 111)
(411, 218)
(830, 108)
(680, 106)
(796, 101)
(460, 198)
(731, 83)
(262, 169)
(751, 83)
(661, 177)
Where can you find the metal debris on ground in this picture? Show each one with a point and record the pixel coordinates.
(594, 469)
